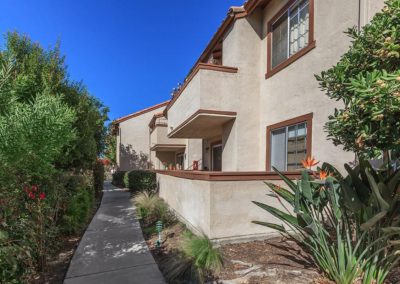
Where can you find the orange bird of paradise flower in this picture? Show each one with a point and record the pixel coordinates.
(309, 162)
(323, 174)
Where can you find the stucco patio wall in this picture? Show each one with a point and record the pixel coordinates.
(223, 210)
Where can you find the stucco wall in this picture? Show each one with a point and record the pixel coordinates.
(368, 9)
(193, 152)
(134, 132)
(223, 210)
(159, 136)
(187, 104)
(294, 91)
(241, 137)
(190, 199)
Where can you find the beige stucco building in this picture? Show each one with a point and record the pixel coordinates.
(142, 143)
(133, 141)
(251, 102)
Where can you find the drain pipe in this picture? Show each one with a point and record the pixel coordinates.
(359, 15)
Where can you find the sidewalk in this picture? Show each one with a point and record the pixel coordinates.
(112, 249)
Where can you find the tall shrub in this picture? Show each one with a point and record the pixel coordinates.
(118, 178)
(139, 180)
(50, 126)
(367, 81)
(98, 177)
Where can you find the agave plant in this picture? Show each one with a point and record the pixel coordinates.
(350, 224)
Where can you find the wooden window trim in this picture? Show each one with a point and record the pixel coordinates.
(311, 42)
(304, 118)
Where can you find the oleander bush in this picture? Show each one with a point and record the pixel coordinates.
(141, 180)
(118, 178)
(51, 132)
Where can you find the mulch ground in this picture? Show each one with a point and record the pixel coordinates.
(261, 262)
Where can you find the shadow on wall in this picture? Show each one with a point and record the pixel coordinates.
(130, 160)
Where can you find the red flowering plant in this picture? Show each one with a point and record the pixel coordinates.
(37, 209)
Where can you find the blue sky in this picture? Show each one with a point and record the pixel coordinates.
(129, 53)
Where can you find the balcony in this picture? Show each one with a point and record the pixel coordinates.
(160, 142)
(204, 103)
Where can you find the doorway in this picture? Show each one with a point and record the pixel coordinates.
(216, 157)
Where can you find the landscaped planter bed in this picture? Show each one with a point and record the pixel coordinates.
(269, 261)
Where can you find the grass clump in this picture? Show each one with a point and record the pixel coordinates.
(152, 208)
(201, 250)
(196, 262)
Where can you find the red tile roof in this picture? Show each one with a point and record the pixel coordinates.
(143, 111)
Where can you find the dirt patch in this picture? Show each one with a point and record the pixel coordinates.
(256, 262)
(270, 261)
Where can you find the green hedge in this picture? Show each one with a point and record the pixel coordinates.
(98, 177)
(79, 210)
(140, 180)
(118, 178)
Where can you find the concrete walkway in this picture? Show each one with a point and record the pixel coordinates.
(113, 250)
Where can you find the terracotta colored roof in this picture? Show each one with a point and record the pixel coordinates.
(234, 13)
(143, 111)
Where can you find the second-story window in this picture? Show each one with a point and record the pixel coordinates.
(290, 32)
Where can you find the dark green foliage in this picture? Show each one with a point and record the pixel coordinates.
(98, 177)
(37, 71)
(78, 211)
(110, 151)
(140, 180)
(118, 178)
(348, 223)
(50, 128)
(367, 81)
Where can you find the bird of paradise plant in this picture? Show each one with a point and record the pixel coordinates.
(351, 227)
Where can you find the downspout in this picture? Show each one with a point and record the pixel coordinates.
(359, 15)
(150, 149)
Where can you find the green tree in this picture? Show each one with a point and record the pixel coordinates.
(367, 81)
(37, 70)
(110, 151)
(51, 132)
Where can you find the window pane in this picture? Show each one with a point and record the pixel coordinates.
(278, 149)
(303, 26)
(279, 41)
(297, 146)
(294, 34)
(298, 26)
